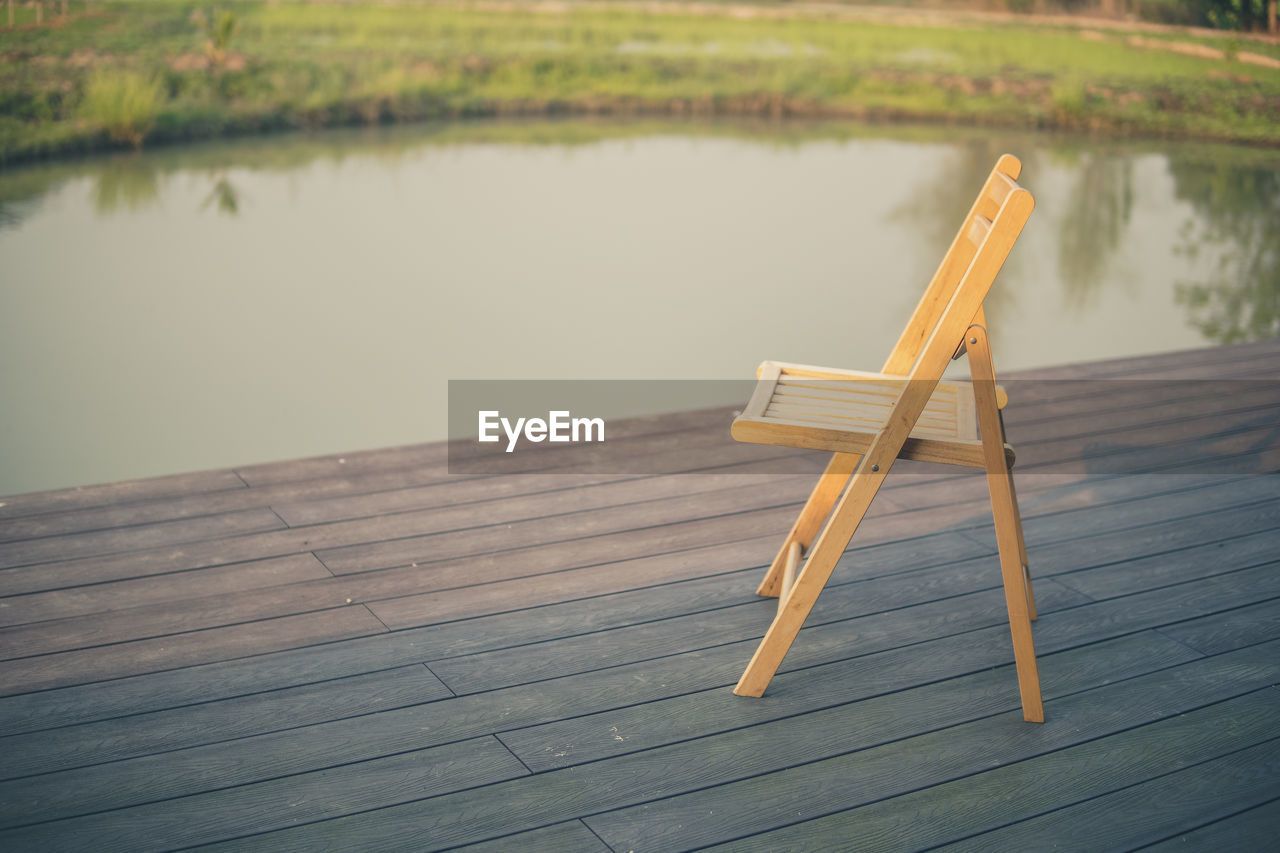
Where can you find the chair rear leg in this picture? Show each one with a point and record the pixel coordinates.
(1022, 546)
(809, 523)
(1017, 592)
(1004, 511)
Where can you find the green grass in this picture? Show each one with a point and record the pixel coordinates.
(290, 64)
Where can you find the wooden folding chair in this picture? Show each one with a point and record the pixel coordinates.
(905, 411)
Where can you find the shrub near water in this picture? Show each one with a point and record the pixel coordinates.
(124, 104)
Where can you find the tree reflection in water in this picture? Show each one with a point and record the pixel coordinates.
(1237, 224)
(129, 183)
(1094, 223)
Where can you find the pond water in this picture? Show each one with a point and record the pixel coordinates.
(266, 299)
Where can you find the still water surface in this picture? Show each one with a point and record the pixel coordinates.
(267, 299)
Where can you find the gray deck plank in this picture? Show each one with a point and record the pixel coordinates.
(992, 799)
(118, 540)
(148, 489)
(206, 723)
(118, 660)
(1229, 630)
(1252, 829)
(172, 591)
(1153, 810)
(766, 801)
(282, 802)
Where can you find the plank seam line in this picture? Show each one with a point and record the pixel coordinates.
(607, 845)
(365, 607)
(1161, 630)
(286, 524)
(453, 694)
(323, 565)
(498, 737)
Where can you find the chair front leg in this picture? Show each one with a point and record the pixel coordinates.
(812, 579)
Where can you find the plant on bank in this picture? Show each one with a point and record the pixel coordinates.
(124, 104)
(219, 27)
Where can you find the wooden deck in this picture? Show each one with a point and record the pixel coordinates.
(367, 653)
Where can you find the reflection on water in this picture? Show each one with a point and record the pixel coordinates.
(1095, 222)
(224, 196)
(1237, 217)
(129, 184)
(265, 299)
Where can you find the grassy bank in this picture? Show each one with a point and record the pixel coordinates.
(129, 73)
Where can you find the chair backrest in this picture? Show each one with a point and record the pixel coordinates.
(978, 243)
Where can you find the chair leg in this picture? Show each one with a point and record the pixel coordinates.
(1022, 546)
(1017, 515)
(813, 577)
(1004, 511)
(815, 512)
(1017, 592)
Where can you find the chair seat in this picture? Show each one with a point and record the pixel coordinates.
(821, 408)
